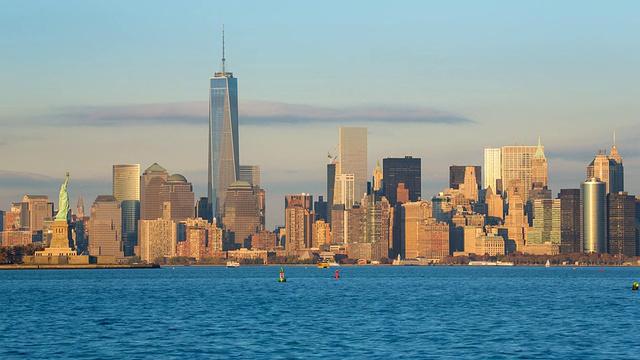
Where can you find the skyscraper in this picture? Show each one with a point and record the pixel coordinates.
(457, 175)
(405, 170)
(126, 189)
(517, 163)
(622, 224)
(105, 226)
(539, 172)
(593, 215)
(223, 137)
(126, 182)
(177, 199)
(352, 147)
(492, 169)
(150, 184)
(331, 180)
(377, 177)
(241, 215)
(570, 221)
(250, 174)
(609, 169)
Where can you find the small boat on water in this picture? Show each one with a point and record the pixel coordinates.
(233, 264)
(323, 265)
(547, 264)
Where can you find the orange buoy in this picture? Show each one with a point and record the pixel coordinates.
(337, 275)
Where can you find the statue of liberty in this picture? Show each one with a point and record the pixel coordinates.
(63, 203)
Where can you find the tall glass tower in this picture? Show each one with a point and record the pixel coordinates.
(223, 138)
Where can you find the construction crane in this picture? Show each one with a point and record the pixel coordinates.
(331, 155)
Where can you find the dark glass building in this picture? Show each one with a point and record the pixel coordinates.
(622, 224)
(405, 170)
(569, 221)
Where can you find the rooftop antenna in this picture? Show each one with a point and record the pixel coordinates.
(614, 138)
(223, 49)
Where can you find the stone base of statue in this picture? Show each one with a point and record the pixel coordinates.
(59, 251)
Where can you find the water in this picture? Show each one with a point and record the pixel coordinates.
(370, 312)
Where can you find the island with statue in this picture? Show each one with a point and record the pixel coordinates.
(61, 251)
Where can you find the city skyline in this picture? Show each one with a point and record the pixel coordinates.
(500, 80)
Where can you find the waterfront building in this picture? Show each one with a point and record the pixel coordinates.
(593, 224)
(622, 224)
(264, 240)
(241, 215)
(156, 239)
(223, 162)
(321, 234)
(492, 245)
(406, 170)
(569, 221)
(202, 240)
(126, 189)
(492, 175)
(352, 148)
(517, 164)
(176, 198)
(298, 229)
(546, 223)
(150, 184)
(105, 227)
(413, 215)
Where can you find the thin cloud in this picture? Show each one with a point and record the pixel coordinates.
(252, 113)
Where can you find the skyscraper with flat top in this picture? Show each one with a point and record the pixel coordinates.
(223, 137)
(352, 147)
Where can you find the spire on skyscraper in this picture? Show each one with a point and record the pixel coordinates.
(223, 59)
(615, 155)
(539, 150)
(80, 207)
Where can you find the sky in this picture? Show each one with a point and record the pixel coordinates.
(88, 84)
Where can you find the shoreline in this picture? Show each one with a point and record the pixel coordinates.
(78, 267)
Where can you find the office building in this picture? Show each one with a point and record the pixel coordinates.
(38, 209)
(250, 174)
(378, 177)
(320, 208)
(344, 191)
(569, 221)
(241, 215)
(413, 215)
(150, 184)
(609, 169)
(539, 171)
(593, 215)
(457, 175)
(546, 223)
(622, 224)
(407, 170)
(298, 226)
(223, 137)
(126, 189)
(517, 163)
(352, 148)
(492, 174)
(331, 178)
(105, 227)
(177, 198)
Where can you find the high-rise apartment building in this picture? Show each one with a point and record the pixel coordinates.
(570, 221)
(407, 170)
(150, 184)
(298, 221)
(177, 199)
(593, 215)
(609, 169)
(344, 190)
(492, 169)
(105, 227)
(223, 137)
(352, 147)
(126, 189)
(622, 224)
(517, 164)
(157, 239)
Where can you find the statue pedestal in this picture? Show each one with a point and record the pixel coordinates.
(59, 242)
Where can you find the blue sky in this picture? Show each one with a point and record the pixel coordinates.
(88, 84)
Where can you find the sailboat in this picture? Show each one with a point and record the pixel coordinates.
(547, 264)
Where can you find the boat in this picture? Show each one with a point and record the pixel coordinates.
(333, 264)
(323, 265)
(547, 264)
(233, 264)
